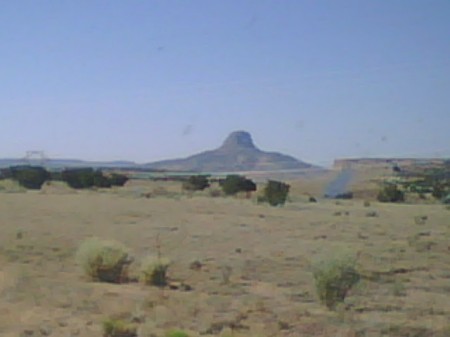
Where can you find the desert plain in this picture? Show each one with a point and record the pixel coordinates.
(254, 263)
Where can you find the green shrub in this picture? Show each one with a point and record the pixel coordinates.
(118, 328)
(154, 271)
(334, 278)
(196, 183)
(391, 193)
(233, 184)
(117, 179)
(103, 260)
(177, 333)
(30, 177)
(276, 192)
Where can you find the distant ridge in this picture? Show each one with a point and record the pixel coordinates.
(237, 153)
(62, 163)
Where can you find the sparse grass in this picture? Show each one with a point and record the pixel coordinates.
(176, 333)
(334, 278)
(398, 289)
(215, 193)
(11, 186)
(154, 271)
(19, 234)
(272, 288)
(114, 327)
(372, 214)
(103, 260)
(420, 244)
(226, 272)
(420, 219)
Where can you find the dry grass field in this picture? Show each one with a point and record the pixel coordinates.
(255, 273)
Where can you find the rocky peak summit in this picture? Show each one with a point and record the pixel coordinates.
(238, 139)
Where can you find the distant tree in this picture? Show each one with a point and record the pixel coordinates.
(31, 177)
(391, 193)
(79, 177)
(233, 184)
(438, 191)
(196, 183)
(88, 177)
(396, 168)
(100, 180)
(118, 179)
(276, 192)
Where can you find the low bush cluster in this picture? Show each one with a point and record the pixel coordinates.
(33, 177)
(108, 261)
(88, 177)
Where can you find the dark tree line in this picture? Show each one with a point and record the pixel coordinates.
(33, 177)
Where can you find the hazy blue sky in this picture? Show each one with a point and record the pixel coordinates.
(150, 80)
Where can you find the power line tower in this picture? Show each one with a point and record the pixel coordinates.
(34, 157)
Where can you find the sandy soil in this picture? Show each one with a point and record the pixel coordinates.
(268, 253)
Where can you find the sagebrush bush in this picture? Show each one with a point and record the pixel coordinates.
(334, 278)
(103, 260)
(118, 328)
(154, 271)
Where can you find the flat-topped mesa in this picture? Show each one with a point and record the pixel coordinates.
(238, 139)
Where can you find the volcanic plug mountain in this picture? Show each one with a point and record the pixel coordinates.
(237, 153)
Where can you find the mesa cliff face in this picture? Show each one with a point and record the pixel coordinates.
(387, 163)
(237, 153)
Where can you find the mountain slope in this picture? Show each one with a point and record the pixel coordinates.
(237, 153)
